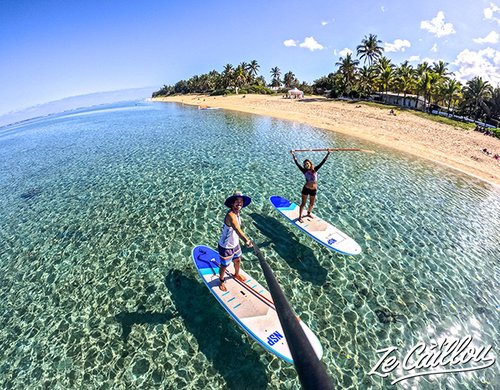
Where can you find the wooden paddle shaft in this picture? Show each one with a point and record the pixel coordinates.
(333, 150)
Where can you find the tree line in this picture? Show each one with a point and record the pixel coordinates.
(370, 72)
(240, 79)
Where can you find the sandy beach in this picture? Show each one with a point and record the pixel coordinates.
(454, 147)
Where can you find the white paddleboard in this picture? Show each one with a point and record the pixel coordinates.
(317, 228)
(249, 304)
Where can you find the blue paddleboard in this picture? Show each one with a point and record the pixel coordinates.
(317, 228)
(249, 304)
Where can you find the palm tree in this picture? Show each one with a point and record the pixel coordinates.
(384, 71)
(382, 64)
(476, 92)
(181, 87)
(260, 81)
(193, 84)
(244, 66)
(239, 76)
(214, 80)
(290, 80)
(228, 68)
(347, 71)
(252, 69)
(275, 74)
(369, 49)
(441, 75)
(203, 84)
(420, 71)
(423, 67)
(366, 80)
(405, 79)
(323, 84)
(451, 90)
(494, 103)
(425, 84)
(227, 75)
(441, 68)
(385, 78)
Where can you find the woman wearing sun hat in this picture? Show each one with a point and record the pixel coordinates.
(229, 242)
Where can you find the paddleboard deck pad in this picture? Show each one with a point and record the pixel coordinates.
(316, 227)
(249, 304)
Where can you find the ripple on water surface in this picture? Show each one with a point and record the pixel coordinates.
(100, 211)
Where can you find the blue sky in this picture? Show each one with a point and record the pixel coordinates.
(53, 49)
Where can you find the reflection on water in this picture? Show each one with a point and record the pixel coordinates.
(99, 213)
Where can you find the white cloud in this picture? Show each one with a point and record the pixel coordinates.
(434, 48)
(414, 59)
(491, 12)
(437, 26)
(324, 22)
(311, 44)
(382, 8)
(492, 37)
(345, 52)
(483, 63)
(398, 45)
(428, 60)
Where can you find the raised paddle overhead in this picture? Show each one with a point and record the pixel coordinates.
(333, 150)
(249, 304)
(317, 228)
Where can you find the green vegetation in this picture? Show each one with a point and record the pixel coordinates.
(447, 121)
(235, 80)
(436, 118)
(425, 87)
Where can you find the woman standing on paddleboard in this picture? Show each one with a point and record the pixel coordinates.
(229, 244)
(311, 187)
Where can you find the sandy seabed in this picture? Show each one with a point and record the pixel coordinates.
(449, 145)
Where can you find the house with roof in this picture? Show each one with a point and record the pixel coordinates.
(396, 99)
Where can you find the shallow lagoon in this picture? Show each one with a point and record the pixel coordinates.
(100, 208)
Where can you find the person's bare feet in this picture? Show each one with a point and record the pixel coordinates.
(241, 278)
(222, 285)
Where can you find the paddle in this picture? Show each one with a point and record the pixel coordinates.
(241, 283)
(311, 372)
(333, 150)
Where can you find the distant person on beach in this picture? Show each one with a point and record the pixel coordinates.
(229, 243)
(311, 187)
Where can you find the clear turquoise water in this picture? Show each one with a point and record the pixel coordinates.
(99, 211)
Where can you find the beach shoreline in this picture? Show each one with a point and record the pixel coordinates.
(454, 147)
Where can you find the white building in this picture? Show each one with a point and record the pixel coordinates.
(408, 101)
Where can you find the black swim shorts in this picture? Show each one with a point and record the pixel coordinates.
(308, 191)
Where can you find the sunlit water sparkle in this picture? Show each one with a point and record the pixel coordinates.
(100, 208)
